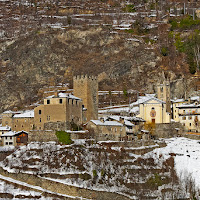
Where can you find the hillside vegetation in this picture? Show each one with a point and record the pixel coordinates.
(130, 46)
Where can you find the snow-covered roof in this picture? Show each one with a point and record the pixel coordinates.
(117, 118)
(8, 134)
(178, 100)
(135, 109)
(63, 95)
(145, 99)
(70, 96)
(12, 133)
(106, 123)
(25, 114)
(195, 98)
(189, 106)
(145, 131)
(8, 111)
(5, 128)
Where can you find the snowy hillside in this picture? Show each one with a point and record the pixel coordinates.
(186, 153)
(103, 167)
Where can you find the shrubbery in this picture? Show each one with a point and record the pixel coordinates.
(184, 23)
(64, 137)
(129, 8)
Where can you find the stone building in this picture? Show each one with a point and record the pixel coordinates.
(189, 116)
(18, 121)
(175, 104)
(107, 130)
(63, 108)
(86, 88)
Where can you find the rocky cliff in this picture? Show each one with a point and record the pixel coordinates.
(46, 57)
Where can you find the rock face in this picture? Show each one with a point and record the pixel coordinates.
(49, 57)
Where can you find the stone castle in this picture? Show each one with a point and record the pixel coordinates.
(60, 109)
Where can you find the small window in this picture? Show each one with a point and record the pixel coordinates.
(40, 112)
(15, 126)
(190, 124)
(48, 118)
(153, 108)
(11, 138)
(48, 101)
(10, 143)
(161, 89)
(22, 126)
(6, 137)
(40, 120)
(6, 143)
(190, 117)
(60, 101)
(184, 118)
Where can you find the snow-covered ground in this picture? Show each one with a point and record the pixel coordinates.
(186, 153)
(103, 167)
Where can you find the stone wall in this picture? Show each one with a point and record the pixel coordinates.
(42, 136)
(57, 126)
(62, 188)
(168, 130)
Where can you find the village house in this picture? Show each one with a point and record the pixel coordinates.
(123, 120)
(13, 138)
(21, 120)
(175, 104)
(189, 116)
(107, 130)
(64, 108)
(4, 129)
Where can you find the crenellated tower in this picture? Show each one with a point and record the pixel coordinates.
(86, 88)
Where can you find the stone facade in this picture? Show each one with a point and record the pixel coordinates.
(42, 136)
(58, 109)
(108, 130)
(86, 88)
(18, 121)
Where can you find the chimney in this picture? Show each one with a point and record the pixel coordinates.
(102, 119)
(121, 120)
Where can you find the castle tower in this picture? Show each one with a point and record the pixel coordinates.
(86, 88)
(163, 93)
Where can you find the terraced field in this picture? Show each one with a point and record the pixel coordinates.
(100, 167)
